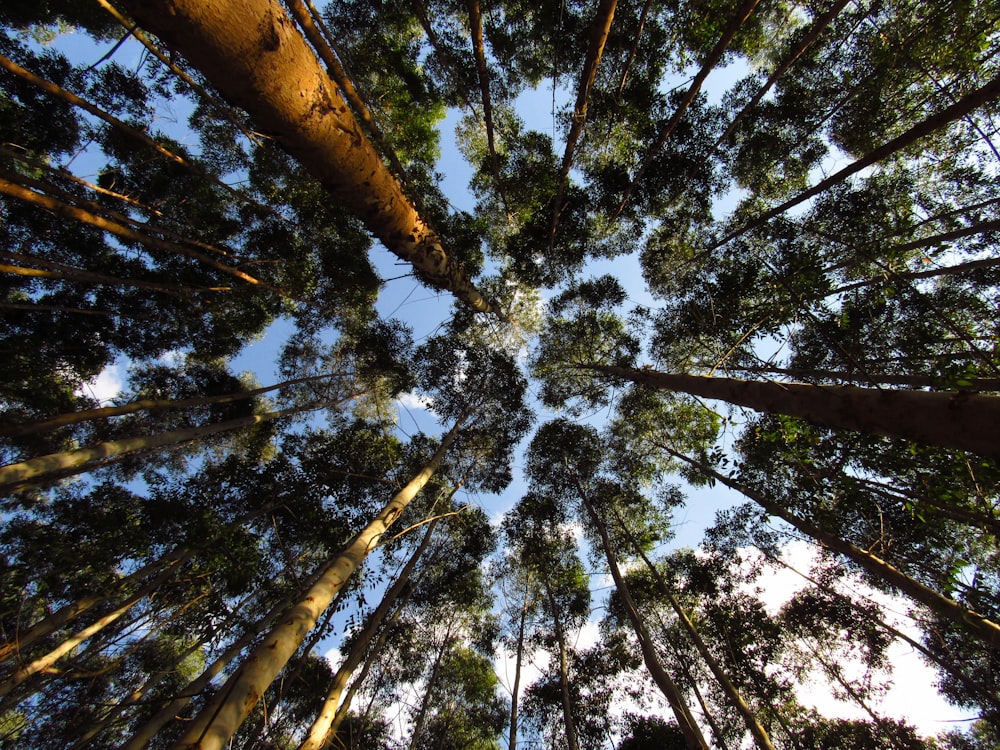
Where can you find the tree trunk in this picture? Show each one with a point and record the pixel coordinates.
(253, 53)
(147, 731)
(968, 620)
(735, 24)
(692, 732)
(598, 37)
(963, 107)
(572, 741)
(425, 702)
(34, 470)
(45, 662)
(66, 614)
(757, 731)
(796, 52)
(518, 657)
(219, 720)
(148, 404)
(316, 739)
(917, 381)
(966, 421)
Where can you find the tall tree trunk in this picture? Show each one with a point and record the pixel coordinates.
(598, 37)
(316, 739)
(43, 663)
(425, 703)
(692, 732)
(572, 741)
(794, 54)
(971, 622)
(37, 469)
(147, 404)
(253, 53)
(173, 708)
(478, 49)
(757, 731)
(735, 24)
(219, 720)
(515, 690)
(69, 612)
(966, 421)
(964, 106)
(873, 378)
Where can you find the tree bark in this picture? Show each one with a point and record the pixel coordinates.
(598, 37)
(147, 404)
(34, 470)
(757, 731)
(147, 731)
(692, 732)
(252, 52)
(518, 657)
(966, 421)
(572, 741)
(735, 24)
(219, 720)
(963, 107)
(796, 52)
(66, 614)
(319, 732)
(972, 622)
(44, 662)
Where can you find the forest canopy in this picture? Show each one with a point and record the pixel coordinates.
(752, 257)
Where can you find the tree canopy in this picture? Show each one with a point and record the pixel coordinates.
(732, 252)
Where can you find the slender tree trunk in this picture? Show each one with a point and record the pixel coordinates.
(425, 702)
(37, 469)
(757, 731)
(81, 276)
(794, 54)
(966, 421)
(735, 24)
(971, 622)
(125, 232)
(516, 689)
(44, 662)
(572, 741)
(478, 49)
(719, 741)
(69, 612)
(964, 106)
(172, 709)
(220, 719)
(869, 378)
(253, 53)
(598, 37)
(361, 109)
(319, 732)
(692, 732)
(633, 52)
(148, 404)
(982, 692)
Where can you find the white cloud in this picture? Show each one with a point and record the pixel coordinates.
(105, 386)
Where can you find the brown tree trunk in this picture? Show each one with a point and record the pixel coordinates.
(966, 421)
(964, 106)
(148, 404)
(219, 720)
(320, 730)
(33, 470)
(572, 741)
(972, 622)
(735, 24)
(253, 53)
(794, 54)
(598, 37)
(757, 731)
(692, 732)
